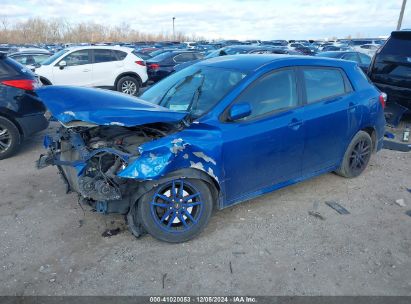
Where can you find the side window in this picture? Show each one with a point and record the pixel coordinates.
(350, 57)
(120, 55)
(364, 58)
(198, 56)
(78, 58)
(273, 92)
(323, 83)
(184, 57)
(101, 56)
(40, 58)
(30, 60)
(20, 59)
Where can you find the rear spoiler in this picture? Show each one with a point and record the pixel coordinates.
(406, 34)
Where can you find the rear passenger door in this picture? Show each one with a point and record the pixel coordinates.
(327, 94)
(106, 64)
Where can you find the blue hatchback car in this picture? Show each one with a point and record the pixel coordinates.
(217, 133)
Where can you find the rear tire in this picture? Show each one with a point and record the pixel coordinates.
(177, 218)
(356, 156)
(9, 138)
(128, 85)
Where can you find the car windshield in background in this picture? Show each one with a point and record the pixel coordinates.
(195, 89)
(158, 52)
(161, 56)
(234, 51)
(54, 57)
(361, 42)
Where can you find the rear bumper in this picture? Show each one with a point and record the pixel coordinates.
(396, 94)
(157, 75)
(32, 124)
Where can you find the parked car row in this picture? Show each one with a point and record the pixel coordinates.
(163, 58)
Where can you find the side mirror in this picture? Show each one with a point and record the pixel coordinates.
(238, 111)
(62, 64)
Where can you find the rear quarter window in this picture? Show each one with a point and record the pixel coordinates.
(120, 55)
(323, 83)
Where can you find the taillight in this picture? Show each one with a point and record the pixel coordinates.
(24, 84)
(141, 62)
(154, 66)
(383, 99)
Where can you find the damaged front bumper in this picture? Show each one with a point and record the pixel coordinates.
(96, 185)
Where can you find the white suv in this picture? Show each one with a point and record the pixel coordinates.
(95, 66)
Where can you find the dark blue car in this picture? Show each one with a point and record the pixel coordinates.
(163, 64)
(215, 134)
(21, 112)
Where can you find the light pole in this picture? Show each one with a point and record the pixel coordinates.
(174, 34)
(404, 2)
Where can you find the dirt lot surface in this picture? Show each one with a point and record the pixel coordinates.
(267, 246)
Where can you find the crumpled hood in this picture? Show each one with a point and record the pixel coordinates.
(102, 107)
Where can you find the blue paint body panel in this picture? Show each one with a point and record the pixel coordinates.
(102, 107)
(245, 159)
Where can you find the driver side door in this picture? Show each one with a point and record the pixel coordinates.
(264, 150)
(78, 69)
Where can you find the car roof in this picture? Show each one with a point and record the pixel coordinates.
(30, 53)
(100, 47)
(251, 62)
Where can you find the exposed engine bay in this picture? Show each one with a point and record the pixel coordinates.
(89, 158)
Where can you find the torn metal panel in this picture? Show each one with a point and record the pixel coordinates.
(102, 107)
(167, 154)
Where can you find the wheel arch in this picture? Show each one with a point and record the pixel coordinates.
(146, 186)
(9, 115)
(125, 74)
(372, 132)
(45, 81)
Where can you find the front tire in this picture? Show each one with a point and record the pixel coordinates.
(356, 156)
(9, 138)
(175, 211)
(128, 85)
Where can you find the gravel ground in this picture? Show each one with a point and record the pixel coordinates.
(267, 246)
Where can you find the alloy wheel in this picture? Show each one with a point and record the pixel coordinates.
(129, 87)
(176, 207)
(5, 139)
(360, 155)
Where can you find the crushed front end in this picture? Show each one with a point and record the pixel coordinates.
(89, 158)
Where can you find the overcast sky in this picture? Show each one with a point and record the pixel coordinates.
(236, 19)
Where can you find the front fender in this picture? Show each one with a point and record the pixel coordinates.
(161, 157)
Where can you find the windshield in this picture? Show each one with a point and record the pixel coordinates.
(158, 52)
(51, 59)
(195, 89)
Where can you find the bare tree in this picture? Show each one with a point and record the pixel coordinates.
(38, 30)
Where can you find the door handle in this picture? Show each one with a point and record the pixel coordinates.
(295, 124)
(86, 70)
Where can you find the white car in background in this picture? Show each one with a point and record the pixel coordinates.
(369, 49)
(109, 67)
